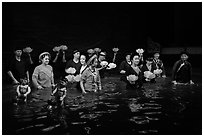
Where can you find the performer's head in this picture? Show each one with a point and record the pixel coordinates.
(184, 56)
(156, 55)
(93, 61)
(135, 58)
(44, 58)
(83, 59)
(149, 61)
(24, 81)
(18, 51)
(76, 54)
(102, 56)
(90, 52)
(127, 56)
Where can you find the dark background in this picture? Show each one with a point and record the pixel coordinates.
(126, 25)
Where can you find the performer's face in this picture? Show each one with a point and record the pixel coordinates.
(18, 53)
(156, 55)
(46, 60)
(77, 54)
(136, 60)
(82, 59)
(128, 57)
(184, 57)
(95, 62)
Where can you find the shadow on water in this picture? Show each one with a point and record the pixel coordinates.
(159, 108)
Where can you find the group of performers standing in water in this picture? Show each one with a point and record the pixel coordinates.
(86, 70)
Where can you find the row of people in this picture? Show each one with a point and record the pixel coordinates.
(134, 70)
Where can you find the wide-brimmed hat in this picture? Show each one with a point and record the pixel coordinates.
(91, 59)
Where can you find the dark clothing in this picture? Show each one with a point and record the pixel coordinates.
(138, 83)
(159, 64)
(144, 68)
(182, 72)
(77, 66)
(59, 70)
(18, 69)
(124, 65)
(72, 64)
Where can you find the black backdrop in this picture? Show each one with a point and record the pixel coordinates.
(126, 25)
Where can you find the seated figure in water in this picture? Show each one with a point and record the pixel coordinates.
(23, 90)
(182, 71)
(133, 75)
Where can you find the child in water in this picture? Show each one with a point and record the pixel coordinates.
(23, 90)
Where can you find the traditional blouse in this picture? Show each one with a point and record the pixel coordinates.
(133, 71)
(182, 71)
(91, 80)
(124, 65)
(43, 76)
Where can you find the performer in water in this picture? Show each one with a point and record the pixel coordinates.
(124, 65)
(148, 70)
(90, 78)
(182, 71)
(159, 64)
(43, 76)
(133, 75)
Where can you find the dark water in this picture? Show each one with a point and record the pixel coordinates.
(159, 108)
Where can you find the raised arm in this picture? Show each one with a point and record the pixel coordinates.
(56, 57)
(63, 57)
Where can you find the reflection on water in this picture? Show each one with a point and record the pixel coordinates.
(159, 108)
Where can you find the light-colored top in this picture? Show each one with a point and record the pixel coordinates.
(43, 76)
(91, 80)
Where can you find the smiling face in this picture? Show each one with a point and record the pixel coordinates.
(136, 60)
(46, 60)
(82, 59)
